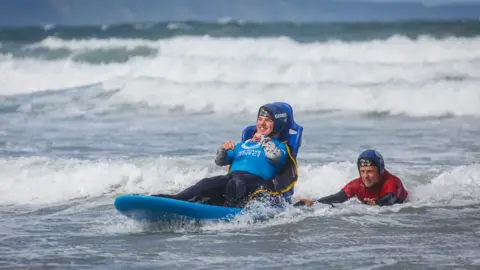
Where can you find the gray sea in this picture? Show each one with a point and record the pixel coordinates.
(91, 113)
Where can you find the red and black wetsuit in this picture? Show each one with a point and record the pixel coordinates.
(389, 190)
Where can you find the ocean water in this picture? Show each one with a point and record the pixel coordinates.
(90, 113)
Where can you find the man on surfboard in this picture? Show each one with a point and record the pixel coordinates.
(252, 163)
(375, 186)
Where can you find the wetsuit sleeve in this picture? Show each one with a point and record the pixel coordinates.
(224, 157)
(338, 197)
(273, 151)
(351, 189)
(388, 199)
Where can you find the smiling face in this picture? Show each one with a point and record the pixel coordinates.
(369, 175)
(264, 125)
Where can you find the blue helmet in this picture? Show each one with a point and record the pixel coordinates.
(371, 158)
(275, 113)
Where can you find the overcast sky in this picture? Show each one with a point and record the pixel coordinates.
(442, 2)
(36, 12)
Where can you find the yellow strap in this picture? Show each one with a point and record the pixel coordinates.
(289, 186)
(293, 160)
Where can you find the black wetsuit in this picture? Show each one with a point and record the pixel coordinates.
(228, 189)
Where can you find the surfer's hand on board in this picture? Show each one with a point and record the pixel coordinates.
(304, 202)
(369, 201)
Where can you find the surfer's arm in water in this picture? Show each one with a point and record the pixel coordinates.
(272, 151)
(341, 196)
(338, 197)
(225, 154)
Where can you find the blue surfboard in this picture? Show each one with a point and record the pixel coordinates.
(151, 209)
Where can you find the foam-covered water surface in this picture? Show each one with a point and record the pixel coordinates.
(84, 119)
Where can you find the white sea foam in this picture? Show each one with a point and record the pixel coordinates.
(42, 180)
(424, 77)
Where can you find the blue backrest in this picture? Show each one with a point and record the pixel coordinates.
(292, 133)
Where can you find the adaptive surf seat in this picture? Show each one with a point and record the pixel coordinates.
(284, 182)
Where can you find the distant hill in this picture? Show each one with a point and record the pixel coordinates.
(35, 12)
